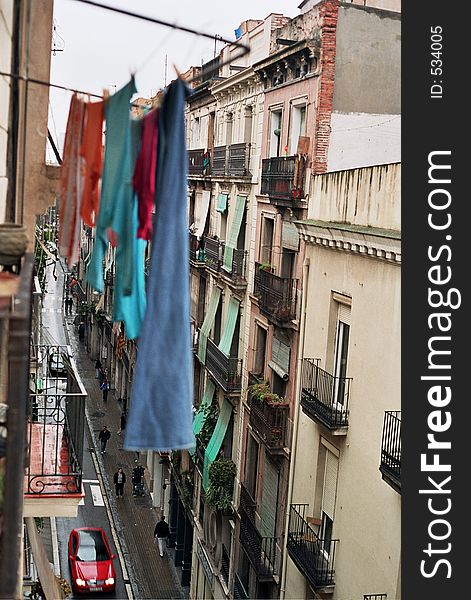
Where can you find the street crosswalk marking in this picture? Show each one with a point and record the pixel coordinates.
(96, 495)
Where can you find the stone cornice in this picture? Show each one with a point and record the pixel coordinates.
(365, 241)
(235, 82)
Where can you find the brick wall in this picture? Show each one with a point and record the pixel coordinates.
(329, 15)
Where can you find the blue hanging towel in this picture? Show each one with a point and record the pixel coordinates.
(160, 415)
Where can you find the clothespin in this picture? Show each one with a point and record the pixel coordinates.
(106, 94)
(176, 70)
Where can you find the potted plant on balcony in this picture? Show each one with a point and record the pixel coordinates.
(266, 266)
(221, 484)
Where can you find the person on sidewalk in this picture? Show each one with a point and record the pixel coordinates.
(104, 436)
(161, 534)
(105, 387)
(122, 422)
(119, 481)
(97, 368)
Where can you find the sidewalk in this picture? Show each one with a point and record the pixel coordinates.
(135, 518)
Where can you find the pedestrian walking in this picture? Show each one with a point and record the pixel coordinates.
(101, 375)
(123, 419)
(104, 436)
(119, 481)
(81, 331)
(105, 387)
(70, 304)
(161, 534)
(97, 368)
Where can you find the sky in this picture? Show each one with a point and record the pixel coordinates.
(101, 49)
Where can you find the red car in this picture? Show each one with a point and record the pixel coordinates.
(91, 560)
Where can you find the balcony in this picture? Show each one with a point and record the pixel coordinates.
(247, 504)
(231, 161)
(239, 160)
(283, 179)
(219, 162)
(390, 466)
(270, 421)
(55, 433)
(214, 251)
(237, 274)
(225, 564)
(226, 371)
(198, 162)
(261, 551)
(314, 557)
(324, 397)
(276, 295)
(197, 253)
(240, 593)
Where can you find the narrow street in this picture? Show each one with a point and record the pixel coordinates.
(129, 522)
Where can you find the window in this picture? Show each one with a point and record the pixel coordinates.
(217, 324)
(251, 465)
(259, 350)
(266, 240)
(196, 133)
(341, 352)
(297, 127)
(275, 133)
(278, 386)
(326, 492)
(288, 258)
(229, 123)
(211, 129)
(248, 118)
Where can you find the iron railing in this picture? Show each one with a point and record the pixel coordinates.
(239, 160)
(314, 557)
(276, 295)
(219, 162)
(56, 424)
(270, 421)
(226, 370)
(238, 268)
(261, 551)
(198, 162)
(247, 503)
(225, 564)
(214, 252)
(391, 448)
(283, 178)
(240, 593)
(325, 397)
(197, 253)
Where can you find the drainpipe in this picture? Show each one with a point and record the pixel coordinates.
(296, 421)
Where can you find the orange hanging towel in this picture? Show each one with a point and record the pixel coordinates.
(91, 152)
(70, 189)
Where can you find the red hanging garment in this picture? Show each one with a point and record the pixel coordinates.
(144, 174)
(91, 152)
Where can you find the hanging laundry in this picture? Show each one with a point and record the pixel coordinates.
(144, 174)
(161, 415)
(92, 153)
(70, 186)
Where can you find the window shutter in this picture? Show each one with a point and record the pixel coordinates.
(344, 313)
(330, 484)
(269, 500)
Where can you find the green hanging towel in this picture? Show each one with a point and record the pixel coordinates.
(207, 324)
(215, 443)
(221, 205)
(231, 243)
(229, 326)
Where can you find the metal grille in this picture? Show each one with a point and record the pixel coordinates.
(391, 446)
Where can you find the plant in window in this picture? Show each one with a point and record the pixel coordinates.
(211, 416)
(221, 483)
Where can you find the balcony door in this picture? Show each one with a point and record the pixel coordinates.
(341, 352)
(297, 127)
(329, 493)
(275, 133)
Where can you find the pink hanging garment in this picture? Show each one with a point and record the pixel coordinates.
(70, 185)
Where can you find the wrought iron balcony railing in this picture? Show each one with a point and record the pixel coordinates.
(197, 252)
(199, 162)
(225, 564)
(247, 503)
(227, 371)
(283, 179)
(314, 557)
(240, 593)
(325, 397)
(270, 421)
(55, 428)
(261, 551)
(239, 160)
(214, 252)
(276, 295)
(391, 449)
